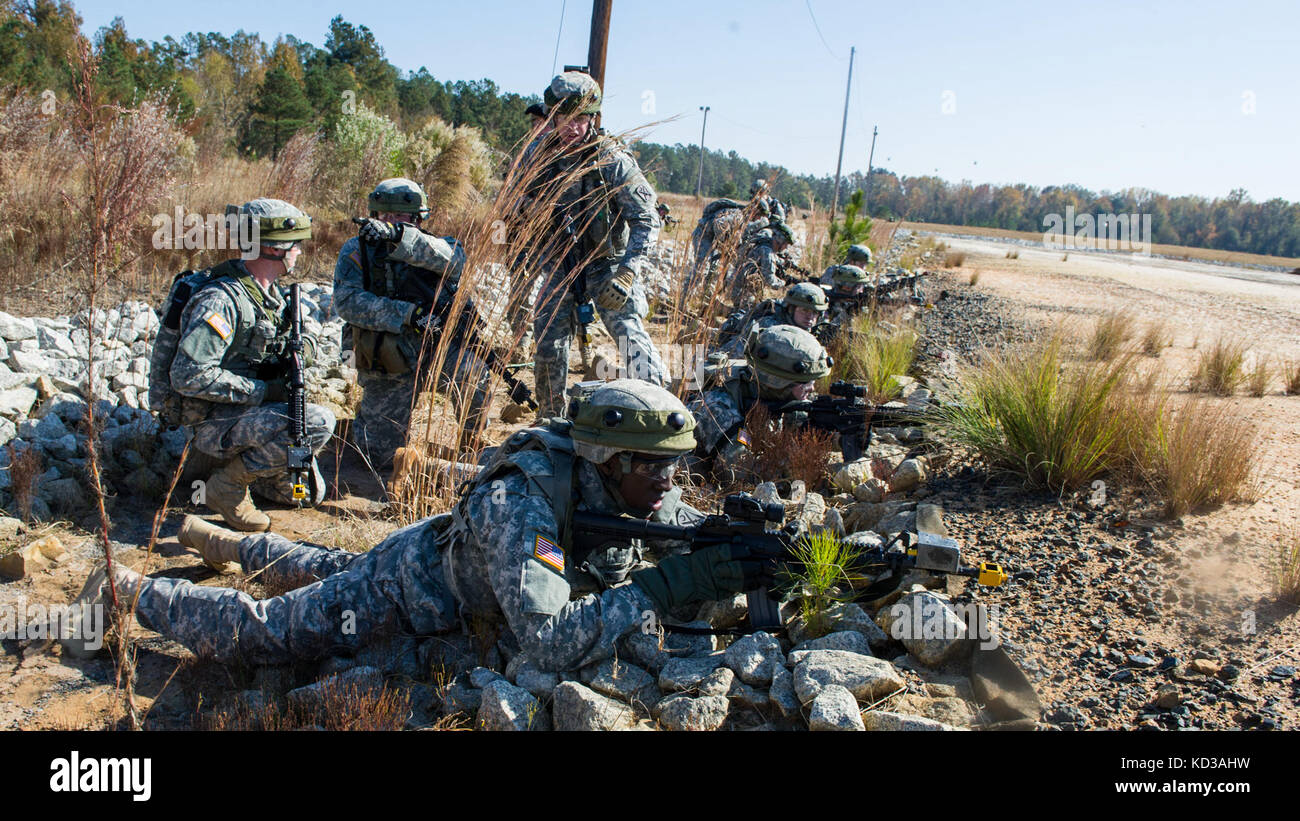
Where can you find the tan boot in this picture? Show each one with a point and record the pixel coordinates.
(227, 494)
(218, 547)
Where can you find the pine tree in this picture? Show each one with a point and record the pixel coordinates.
(280, 111)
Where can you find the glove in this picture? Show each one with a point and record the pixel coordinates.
(702, 576)
(376, 231)
(422, 318)
(277, 390)
(614, 294)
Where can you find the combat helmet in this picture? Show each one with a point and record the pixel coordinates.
(780, 227)
(849, 275)
(399, 196)
(279, 224)
(758, 188)
(784, 355)
(806, 295)
(859, 255)
(573, 92)
(629, 415)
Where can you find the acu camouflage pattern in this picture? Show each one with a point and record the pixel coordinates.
(760, 266)
(621, 235)
(478, 561)
(223, 400)
(723, 225)
(756, 320)
(387, 399)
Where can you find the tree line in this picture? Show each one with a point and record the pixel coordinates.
(239, 93)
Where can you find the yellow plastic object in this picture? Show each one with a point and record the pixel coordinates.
(991, 574)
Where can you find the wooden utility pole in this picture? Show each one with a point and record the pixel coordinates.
(835, 195)
(871, 156)
(600, 12)
(699, 181)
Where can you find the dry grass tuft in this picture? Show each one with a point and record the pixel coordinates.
(954, 259)
(1290, 370)
(1287, 581)
(789, 454)
(1112, 330)
(1257, 377)
(25, 467)
(1156, 337)
(974, 279)
(345, 707)
(1221, 369)
(1013, 254)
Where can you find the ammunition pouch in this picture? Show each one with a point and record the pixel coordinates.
(378, 351)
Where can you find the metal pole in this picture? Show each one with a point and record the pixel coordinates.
(600, 12)
(835, 196)
(866, 204)
(699, 181)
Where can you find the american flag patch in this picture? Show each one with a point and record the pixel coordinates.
(219, 324)
(743, 438)
(547, 552)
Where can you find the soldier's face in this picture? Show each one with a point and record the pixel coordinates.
(393, 216)
(573, 129)
(644, 487)
(804, 317)
(801, 391)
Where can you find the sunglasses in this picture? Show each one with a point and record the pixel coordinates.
(656, 468)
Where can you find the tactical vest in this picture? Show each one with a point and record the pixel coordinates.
(590, 204)
(259, 336)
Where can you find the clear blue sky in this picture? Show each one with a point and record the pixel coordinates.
(1103, 94)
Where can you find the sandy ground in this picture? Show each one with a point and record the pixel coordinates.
(1201, 302)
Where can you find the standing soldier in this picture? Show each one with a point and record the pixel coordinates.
(388, 320)
(604, 221)
(229, 367)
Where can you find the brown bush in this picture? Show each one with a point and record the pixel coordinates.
(785, 453)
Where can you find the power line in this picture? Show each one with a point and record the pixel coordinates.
(556, 59)
(808, 3)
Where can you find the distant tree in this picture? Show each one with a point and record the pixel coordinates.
(280, 111)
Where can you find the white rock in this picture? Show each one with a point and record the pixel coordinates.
(14, 328)
(580, 708)
(507, 707)
(683, 712)
(16, 401)
(883, 721)
(868, 678)
(27, 362)
(834, 709)
(927, 625)
(909, 474)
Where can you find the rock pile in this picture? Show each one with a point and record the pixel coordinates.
(44, 401)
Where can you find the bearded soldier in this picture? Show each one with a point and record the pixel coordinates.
(782, 363)
(228, 368)
(389, 318)
(604, 227)
(508, 554)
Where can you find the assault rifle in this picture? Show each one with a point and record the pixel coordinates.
(746, 521)
(299, 446)
(435, 300)
(844, 411)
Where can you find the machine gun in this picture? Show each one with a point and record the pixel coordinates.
(752, 524)
(300, 455)
(844, 411)
(435, 300)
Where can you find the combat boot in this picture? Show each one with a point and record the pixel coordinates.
(218, 547)
(77, 640)
(227, 494)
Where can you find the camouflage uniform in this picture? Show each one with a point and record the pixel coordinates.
(761, 265)
(565, 607)
(620, 237)
(229, 329)
(377, 316)
(779, 315)
(722, 225)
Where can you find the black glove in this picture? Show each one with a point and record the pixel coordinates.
(706, 575)
(277, 390)
(377, 231)
(422, 318)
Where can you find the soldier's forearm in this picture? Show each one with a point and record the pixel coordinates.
(371, 311)
(587, 629)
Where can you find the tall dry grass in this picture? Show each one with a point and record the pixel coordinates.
(1114, 328)
(1156, 337)
(1290, 371)
(872, 352)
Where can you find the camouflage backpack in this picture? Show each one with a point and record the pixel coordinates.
(163, 398)
(739, 320)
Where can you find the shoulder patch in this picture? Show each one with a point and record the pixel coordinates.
(547, 552)
(219, 324)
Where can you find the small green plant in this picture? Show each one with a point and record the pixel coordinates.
(1257, 378)
(1221, 369)
(824, 563)
(1156, 338)
(1109, 335)
(851, 230)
